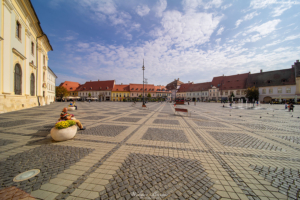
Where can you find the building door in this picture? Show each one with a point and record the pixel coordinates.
(18, 79)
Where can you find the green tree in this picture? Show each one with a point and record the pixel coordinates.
(232, 95)
(149, 95)
(61, 92)
(90, 94)
(140, 95)
(252, 93)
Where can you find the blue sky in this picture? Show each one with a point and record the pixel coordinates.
(193, 40)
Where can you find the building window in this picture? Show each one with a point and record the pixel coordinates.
(237, 92)
(279, 90)
(32, 48)
(288, 90)
(271, 91)
(264, 91)
(226, 93)
(18, 30)
(44, 60)
(44, 74)
(18, 79)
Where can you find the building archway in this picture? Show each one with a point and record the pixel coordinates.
(18, 79)
(267, 99)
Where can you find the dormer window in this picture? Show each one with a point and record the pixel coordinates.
(90, 88)
(84, 88)
(137, 88)
(71, 88)
(132, 88)
(283, 80)
(100, 88)
(254, 83)
(146, 89)
(107, 87)
(269, 81)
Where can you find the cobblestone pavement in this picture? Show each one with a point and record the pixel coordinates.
(130, 153)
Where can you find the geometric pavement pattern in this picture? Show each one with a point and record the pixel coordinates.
(294, 139)
(216, 163)
(286, 180)
(243, 141)
(165, 121)
(168, 135)
(104, 130)
(127, 119)
(209, 124)
(50, 159)
(5, 142)
(169, 178)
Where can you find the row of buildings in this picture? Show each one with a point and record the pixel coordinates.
(109, 91)
(26, 80)
(272, 85)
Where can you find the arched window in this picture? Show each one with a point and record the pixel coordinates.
(32, 84)
(18, 79)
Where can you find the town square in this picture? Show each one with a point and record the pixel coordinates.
(139, 99)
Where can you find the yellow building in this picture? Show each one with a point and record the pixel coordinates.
(23, 57)
(120, 92)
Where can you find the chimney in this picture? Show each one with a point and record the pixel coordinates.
(121, 83)
(98, 80)
(223, 74)
(188, 81)
(249, 72)
(261, 71)
(90, 80)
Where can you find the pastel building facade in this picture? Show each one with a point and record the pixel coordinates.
(120, 92)
(279, 85)
(24, 51)
(100, 90)
(51, 82)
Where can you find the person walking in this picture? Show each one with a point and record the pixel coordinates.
(188, 103)
(195, 103)
(285, 106)
(291, 107)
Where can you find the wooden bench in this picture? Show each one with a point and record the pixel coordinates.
(182, 110)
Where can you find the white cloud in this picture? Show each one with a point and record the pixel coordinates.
(160, 7)
(218, 40)
(226, 6)
(220, 31)
(265, 28)
(142, 10)
(245, 18)
(279, 10)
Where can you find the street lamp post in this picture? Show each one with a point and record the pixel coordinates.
(143, 86)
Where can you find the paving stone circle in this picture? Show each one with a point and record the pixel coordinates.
(209, 124)
(244, 141)
(144, 176)
(127, 119)
(294, 139)
(286, 180)
(4, 142)
(166, 121)
(168, 135)
(104, 130)
(17, 122)
(50, 159)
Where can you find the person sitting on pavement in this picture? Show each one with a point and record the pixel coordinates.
(66, 116)
(291, 107)
(72, 104)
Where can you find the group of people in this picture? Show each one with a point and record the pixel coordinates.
(290, 107)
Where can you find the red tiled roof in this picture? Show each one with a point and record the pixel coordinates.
(185, 87)
(230, 82)
(199, 87)
(70, 86)
(97, 85)
(121, 88)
